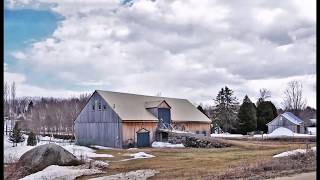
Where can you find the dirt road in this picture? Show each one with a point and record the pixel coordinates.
(304, 176)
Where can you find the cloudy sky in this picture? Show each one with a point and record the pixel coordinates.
(179, 48)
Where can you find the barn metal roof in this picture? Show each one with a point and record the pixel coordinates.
(291, 117)
(153, 104)
(132, 107)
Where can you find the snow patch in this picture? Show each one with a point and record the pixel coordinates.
(101, 147)
(139, 155)
(166, 144)
(84, 151)
(226, 135)
(293, 152)
(139, 174)
(181, 132)
(61, 172)
(99, 164)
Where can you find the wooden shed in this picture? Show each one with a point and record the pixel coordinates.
(287, 120)
(115, 119)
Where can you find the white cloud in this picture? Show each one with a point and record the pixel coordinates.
(187, 49)
(19, 55)
(24, 89)
(267, 16)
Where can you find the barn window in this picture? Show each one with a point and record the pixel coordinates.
(99, 106)
(104, 107)
(93, 107)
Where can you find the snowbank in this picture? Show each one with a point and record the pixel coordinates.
(139, 155)
(293, 152)
(166, 144)
(61, 172)
(139, 174)
(281, 131)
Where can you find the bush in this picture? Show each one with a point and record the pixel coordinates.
(32, 139)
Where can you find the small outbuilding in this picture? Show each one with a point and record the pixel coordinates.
(287, 120)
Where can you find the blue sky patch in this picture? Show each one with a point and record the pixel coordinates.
(23, 26)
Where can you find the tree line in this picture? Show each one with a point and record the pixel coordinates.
(56, 115)
(42, 114)
(230, 116)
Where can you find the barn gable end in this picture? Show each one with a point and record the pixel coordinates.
(98, 126)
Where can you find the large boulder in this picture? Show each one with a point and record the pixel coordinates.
(43, 156)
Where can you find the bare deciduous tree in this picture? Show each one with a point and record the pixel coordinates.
(264, 94)
(293, 99)
(5, 103)
(6, 90)
(12, 104)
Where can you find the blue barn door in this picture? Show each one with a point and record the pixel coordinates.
(143, 138)
(165, 115)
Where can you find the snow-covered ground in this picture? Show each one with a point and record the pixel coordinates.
(282, 132)
(139, 155)
(293, 152)
(166, 144)
(14, 153)
(312, 130)
(226, 135)
(84, 151)
(279, 132)
(61, 172)
(139, 174)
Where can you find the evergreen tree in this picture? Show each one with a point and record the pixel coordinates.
(266, 112)
(247, 116)
(225, 113)
(16, 135)
(32, 139)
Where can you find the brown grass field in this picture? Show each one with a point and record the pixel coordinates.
(196, 163)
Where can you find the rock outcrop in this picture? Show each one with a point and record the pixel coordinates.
(41, 157)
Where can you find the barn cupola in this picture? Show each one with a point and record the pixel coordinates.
(160, 109)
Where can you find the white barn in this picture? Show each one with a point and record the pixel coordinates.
(287, 120)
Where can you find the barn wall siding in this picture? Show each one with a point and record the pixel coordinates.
(129, 130)
(98, 127)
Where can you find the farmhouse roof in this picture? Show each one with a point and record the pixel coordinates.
(133, 107)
